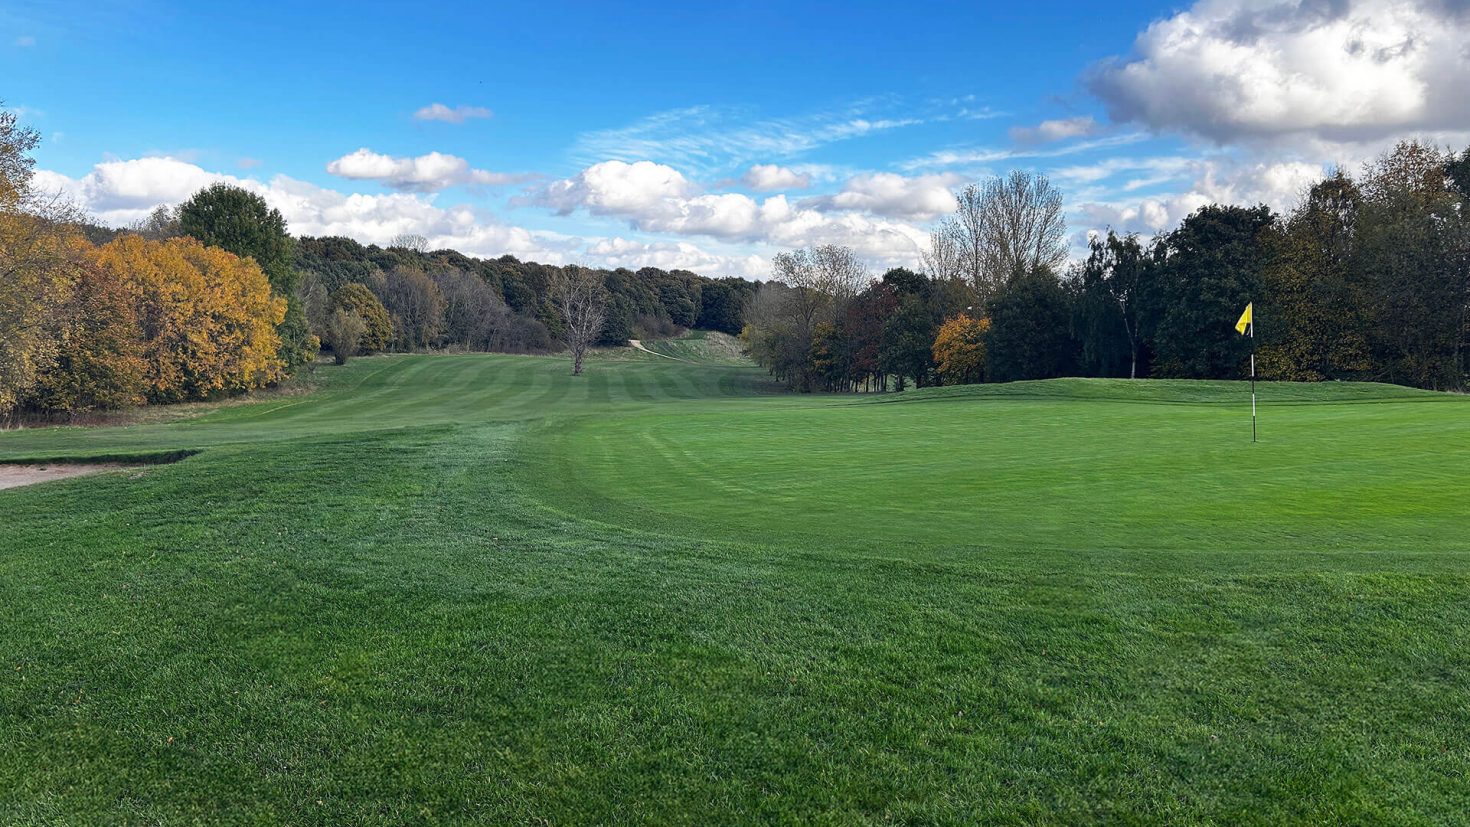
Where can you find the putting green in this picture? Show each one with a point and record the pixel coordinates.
(475, 589)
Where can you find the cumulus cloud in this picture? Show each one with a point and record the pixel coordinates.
(1346, 70)
(450, 114)
(424, 173)
(772, 177)
(118, 193)
(1279, 185)
(1054, 130)
(619, 188)
(896, 196)
(675, 255)
(656, 198)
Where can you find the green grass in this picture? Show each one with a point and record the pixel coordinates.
(475, 589)
(705, 347)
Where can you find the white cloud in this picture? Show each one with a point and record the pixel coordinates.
(1342, 71)
(962, 157)
(424, 173)
(655, 198)
(1279, 185)
(1054, 130)
(706, 138)
(772, 177)
(885, 193)
(448, 114)
(619, 188)
(675, 255)
(121, 192)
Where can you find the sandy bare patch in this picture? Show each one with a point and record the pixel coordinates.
(637, 345)
(14, 476)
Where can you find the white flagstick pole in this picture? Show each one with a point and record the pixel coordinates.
(1253, 377)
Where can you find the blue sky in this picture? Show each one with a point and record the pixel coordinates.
(712, 137)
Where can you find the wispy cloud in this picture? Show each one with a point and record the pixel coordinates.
(450, 114)
(708, 139)
(25, 41)
(1059, 129)
(947, 158)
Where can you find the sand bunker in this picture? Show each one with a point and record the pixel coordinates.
(13, 476)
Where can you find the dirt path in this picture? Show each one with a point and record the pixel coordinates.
(637, 345)
(14, 476)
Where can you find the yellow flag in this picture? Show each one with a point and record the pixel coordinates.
(1245, 319)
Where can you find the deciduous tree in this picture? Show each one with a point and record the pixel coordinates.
(207, 317)
(581, 299)
(959, 350)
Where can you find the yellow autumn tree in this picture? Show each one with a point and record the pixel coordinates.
(39, 263)
(959, 350)
(40, 254)
(99, 347)
(207, 317)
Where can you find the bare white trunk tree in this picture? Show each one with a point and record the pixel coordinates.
(968, 234)
(580, 296)
(1026, 229)
(1002, 227)
(945, 260)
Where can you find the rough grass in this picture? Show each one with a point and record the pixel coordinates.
(705, 347)
(474, 589)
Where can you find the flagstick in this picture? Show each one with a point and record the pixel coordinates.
(1253, 377)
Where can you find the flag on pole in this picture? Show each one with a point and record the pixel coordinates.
(1245, 320)
(1248, 320)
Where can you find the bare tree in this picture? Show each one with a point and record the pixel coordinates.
(1026, 230)
(580, 296)
(161, 224)
(410, 241)
(1002, 227)
(944, 261)
(967, 235)
(417, 307)
(840, 273)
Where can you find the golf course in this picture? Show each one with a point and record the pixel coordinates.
(476, 588)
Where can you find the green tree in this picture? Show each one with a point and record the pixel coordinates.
(1210, 268)
(721, 308)
(907, 347)
(1029, 335)
(377, 324)
(1312, 293)
(239, 221)
(1111, 287)
(1415, 255)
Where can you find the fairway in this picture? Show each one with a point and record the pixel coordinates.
(473, 588)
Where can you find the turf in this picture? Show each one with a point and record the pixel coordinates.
(702, 347)
(476, 589)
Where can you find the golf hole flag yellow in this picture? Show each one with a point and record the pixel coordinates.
(1245, 319)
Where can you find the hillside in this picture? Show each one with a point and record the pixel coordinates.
(704, 347)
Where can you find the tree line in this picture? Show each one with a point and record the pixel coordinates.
(1368, 278)
(214, 297)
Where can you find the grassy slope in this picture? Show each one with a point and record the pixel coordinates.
(704, 347)
(474, 588)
